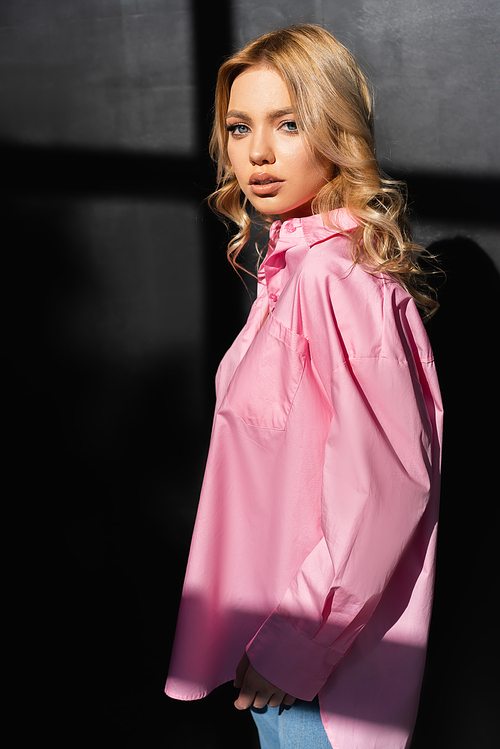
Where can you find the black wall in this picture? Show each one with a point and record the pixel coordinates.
(118, 304)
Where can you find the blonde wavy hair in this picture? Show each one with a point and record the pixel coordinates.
(333, 108)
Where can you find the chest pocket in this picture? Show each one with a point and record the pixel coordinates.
(265, 383)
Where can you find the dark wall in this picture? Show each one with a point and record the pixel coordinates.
(118, 304)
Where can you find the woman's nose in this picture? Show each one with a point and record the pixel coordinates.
(261, 150)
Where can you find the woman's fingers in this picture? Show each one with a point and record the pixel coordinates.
(276, 699)
(256, 690)
(248, 697)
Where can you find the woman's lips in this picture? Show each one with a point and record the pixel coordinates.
(264, 184)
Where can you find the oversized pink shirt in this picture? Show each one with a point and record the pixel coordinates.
(314, 543)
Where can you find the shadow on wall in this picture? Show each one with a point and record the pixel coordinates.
(102, 468)
(460, 694)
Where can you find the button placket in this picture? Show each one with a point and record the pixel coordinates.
(275, 263)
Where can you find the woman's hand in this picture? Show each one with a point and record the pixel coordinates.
(256, 690)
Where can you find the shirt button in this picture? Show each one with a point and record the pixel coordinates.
(273, 297)
(290, 228)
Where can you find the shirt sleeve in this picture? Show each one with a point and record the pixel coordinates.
(376, 487)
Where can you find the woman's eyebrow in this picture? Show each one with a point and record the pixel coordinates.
(273, 115)
(238, 115)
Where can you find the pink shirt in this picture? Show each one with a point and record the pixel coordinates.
(314, 544)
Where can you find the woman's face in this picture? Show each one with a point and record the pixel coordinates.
(270, 160)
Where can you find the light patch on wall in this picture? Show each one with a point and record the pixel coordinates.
(112, 74)
(437, 92)
(252, 19)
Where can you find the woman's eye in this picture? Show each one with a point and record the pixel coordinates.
(238, 129)
(290, 126)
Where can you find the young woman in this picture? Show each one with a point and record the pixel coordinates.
(311, 569)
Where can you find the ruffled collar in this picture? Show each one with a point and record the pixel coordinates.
(315, 227)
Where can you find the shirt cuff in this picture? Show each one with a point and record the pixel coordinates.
(290, 660)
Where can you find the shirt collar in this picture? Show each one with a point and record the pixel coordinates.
(316, 228)
(285, 235)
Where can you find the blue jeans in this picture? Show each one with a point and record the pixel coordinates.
(298, 727)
